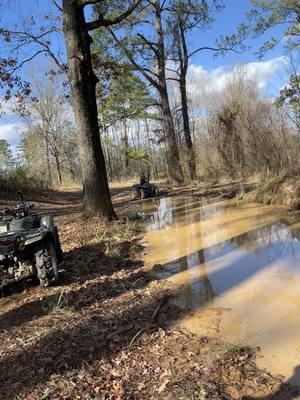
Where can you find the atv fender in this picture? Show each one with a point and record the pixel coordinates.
(47, 221)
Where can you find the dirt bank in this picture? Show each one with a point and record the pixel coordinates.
(283, 190)
(104, 332)
(207, 189)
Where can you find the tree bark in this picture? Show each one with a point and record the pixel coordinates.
(126, 147)
(48, 160)
(107, 156)
(150, 151)
(173, 160)
(186, 128)
(184, 60)
(71, 169)
(83, 84)
(57, 164)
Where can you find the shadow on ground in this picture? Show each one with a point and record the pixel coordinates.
(107, 305)
(99, 317)
(81, 265)
(94, 330)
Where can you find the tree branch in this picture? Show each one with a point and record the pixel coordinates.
(214, 49)
(37, 40)
(172, 70)
(57, 5)
(101, 21)
(26, 61)
(130, 115)
(173, 79)
(133, 62)
(88, 2)
(150, 44)
(54, 58)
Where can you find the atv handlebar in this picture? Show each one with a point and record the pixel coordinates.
(22, 208)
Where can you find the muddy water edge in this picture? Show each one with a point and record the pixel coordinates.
(235, 270)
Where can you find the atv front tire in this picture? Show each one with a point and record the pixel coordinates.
(46, 264)
(58, 249)
(135, 194)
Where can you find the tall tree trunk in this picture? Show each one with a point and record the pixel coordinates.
(173, 161)
(71, 169)
(187, 129)
(48, 160)
(108, 156)
(150, 150)
(174, 166)
(184, 60)
(58, 170)
(83, 84)
(126, 147)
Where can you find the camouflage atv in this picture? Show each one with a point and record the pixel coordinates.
(29, 245)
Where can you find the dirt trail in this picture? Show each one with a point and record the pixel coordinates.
(104, 333)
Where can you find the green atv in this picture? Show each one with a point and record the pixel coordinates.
(29, 245)
(144, 190)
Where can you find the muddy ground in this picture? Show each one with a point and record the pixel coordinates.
(105, 332)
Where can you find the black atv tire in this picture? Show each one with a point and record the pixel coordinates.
(135, 194)
(46, 264)
(156, 192)
(143, 193)
(59, 253)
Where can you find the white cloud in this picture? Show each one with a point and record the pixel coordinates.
(200, 80)
(7, 107)
(266, 71)
(12, 133)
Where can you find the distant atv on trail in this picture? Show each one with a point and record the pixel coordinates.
(144, 189)
(29, 245)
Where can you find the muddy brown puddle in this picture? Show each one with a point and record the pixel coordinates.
(235, 267)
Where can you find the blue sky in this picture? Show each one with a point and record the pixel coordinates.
(271, 71)
(226, 23)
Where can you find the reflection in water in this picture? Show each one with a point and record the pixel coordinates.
(234, 257)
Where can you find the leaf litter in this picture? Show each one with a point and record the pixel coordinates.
(105, 332)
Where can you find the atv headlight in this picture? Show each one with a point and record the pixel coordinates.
(21, 243)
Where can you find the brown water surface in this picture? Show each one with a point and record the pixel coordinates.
(236, 271)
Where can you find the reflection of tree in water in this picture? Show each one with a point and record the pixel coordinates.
(277, 237)
(274, 240)
(208, 290)
(198, 290)
(172, 211)
(187, 292)
(261, 246)
(164, 214)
